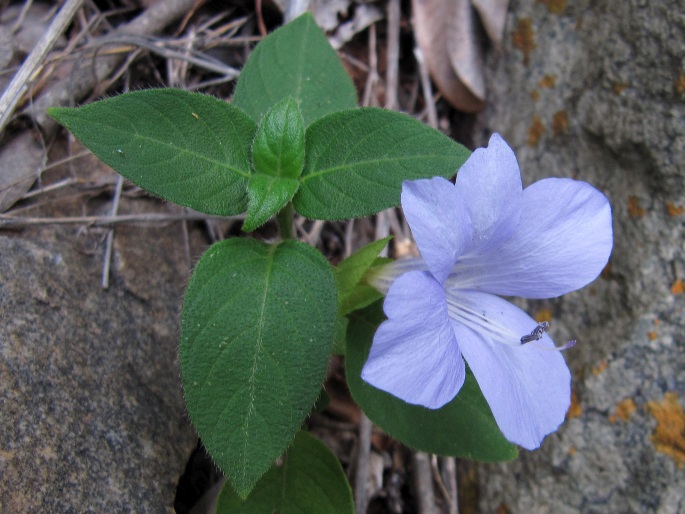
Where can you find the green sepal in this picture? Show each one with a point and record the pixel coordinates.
(352, 294)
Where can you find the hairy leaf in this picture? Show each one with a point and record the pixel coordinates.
(257, 328)
(189, 148)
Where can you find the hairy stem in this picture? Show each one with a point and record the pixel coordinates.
(285, 221)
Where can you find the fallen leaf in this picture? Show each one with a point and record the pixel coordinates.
(453, 44)
(21, 160)
(445, 34)
(493, 15)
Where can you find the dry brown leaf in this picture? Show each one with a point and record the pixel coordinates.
(452, 42)
(21, 160)
(493, 15)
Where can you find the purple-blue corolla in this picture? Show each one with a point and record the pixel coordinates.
(481, 237)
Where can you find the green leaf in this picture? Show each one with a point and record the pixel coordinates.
(266, 196)
(189, 148)
(465, 427)
(297, 61)
(356, 161)
(257, 328)
(309, 481)
(278, 147)
(349, 273)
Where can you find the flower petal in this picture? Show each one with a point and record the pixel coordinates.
(489, 183)
(563, 242)
(528, 387)
(439, 222)
(414, 354)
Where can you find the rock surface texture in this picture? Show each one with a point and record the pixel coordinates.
(596, 91)
(92, 411)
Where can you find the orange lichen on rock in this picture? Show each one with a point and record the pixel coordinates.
(560, 122)
(523, 38)
(624, 410)
(603, 364)
(606, 272)
(651, 335)
(548, 81)
(635, 210)
(554, 6)
(678, 287)
(674, 210)
(680, 84)
(543, 315)
(574, 410)
(572, 451)
(669, 434)
(619, 87)
(535, 95)
(503, 508)
(535, 131)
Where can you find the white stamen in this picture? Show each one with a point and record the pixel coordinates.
(569, 344)
(478, 320)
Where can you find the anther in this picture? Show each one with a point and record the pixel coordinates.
(536, 334)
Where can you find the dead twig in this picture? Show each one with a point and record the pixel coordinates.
(449, 477)
(423, 482)
(260, 18)
(161, 47)
(361, 479)
(85, 78)
(72, 88)
(110, 234)
(448, 494)
(105, 221)
(427, 89)
(19, 83)
(372, 78)
(393, 60)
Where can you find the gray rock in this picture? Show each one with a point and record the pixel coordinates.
(92, 416)
(600, 97)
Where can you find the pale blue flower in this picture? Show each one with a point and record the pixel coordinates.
(482, 237)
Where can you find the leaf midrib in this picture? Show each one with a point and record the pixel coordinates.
(187, 152)
(258, 347)
(137, 137)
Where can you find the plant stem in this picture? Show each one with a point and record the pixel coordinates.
(285, 221)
